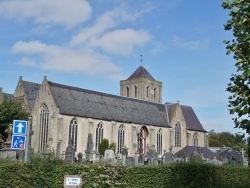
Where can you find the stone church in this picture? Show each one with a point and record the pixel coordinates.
(137, 119)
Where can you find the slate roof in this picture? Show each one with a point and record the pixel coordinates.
(141, 72)
(31, 91)
(189, 150)
(8, 96)
(92, 104)
(192, 122)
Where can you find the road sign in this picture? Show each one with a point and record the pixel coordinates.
(19, 127)
(18, 142)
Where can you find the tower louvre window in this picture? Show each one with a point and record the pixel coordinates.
(135, 91)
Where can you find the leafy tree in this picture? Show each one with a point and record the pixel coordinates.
(239, 46)
(9, 111)
(228, 139)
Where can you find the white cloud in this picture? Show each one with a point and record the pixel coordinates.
(86, 51)
(190, 44)
(121, 42)
(55, 58)
(102, 24)
(103, 34)
(69, 13)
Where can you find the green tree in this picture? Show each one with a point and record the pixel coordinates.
(228, 139)
(239, 46)
(10, 110)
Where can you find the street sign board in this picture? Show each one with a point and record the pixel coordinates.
(20, 127)
(18, 142)
(71, 181)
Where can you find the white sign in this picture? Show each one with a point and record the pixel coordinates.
(72, 181)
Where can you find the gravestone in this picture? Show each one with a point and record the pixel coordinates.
(124, 154)
(168, 158)
(109, 154)
(90, 154)
(79, 156)
(70, 155)
(130, 161)
(136, 158)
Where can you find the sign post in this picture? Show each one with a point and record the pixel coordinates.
(20, 138)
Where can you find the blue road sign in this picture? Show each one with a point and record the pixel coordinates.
(18, 142)
(20, 127)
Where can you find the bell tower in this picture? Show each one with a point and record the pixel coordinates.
(142, 85)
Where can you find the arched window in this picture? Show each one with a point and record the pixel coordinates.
(73, 133)
(120, 139)
(127, 91)
(196, 143)
(43, 131)
(159, 141)
(98, 136)
(177, 135)
(147, 91)
(135, 91)
(155, 90)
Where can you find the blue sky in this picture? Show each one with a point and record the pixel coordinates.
(95, 44)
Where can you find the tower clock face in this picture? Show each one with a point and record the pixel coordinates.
(152, 92)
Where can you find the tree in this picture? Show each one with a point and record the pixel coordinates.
(239, 46)
(228, 139)
(10, 110)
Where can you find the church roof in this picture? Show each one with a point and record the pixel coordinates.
(192, 122)
(141, 72)
(189, 150)
(8, 96)
(31, 90)
(92, 104)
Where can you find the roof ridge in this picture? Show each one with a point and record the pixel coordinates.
(102, 93)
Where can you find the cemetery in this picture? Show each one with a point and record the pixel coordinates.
(190, 167)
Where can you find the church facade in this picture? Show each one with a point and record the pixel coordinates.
(137, 120)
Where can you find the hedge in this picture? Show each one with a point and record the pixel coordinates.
(50, 173)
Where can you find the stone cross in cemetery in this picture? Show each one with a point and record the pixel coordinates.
(89, 151)
(70, 153)
(124, 154)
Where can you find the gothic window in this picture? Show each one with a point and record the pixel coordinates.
(159, 141)
(177, 135)
(135, 91)
(120, 139)
(127, 91)
(98, 136)
(73, 133)
(147, 91)
(43, 131)
(196, 139)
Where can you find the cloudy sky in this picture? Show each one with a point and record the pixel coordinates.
(95, 44)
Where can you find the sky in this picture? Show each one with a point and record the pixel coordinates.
(94, 44)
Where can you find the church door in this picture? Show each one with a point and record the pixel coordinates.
(142, 134)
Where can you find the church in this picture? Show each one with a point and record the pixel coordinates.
(137, 119)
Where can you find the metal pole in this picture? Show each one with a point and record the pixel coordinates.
(27, 142)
